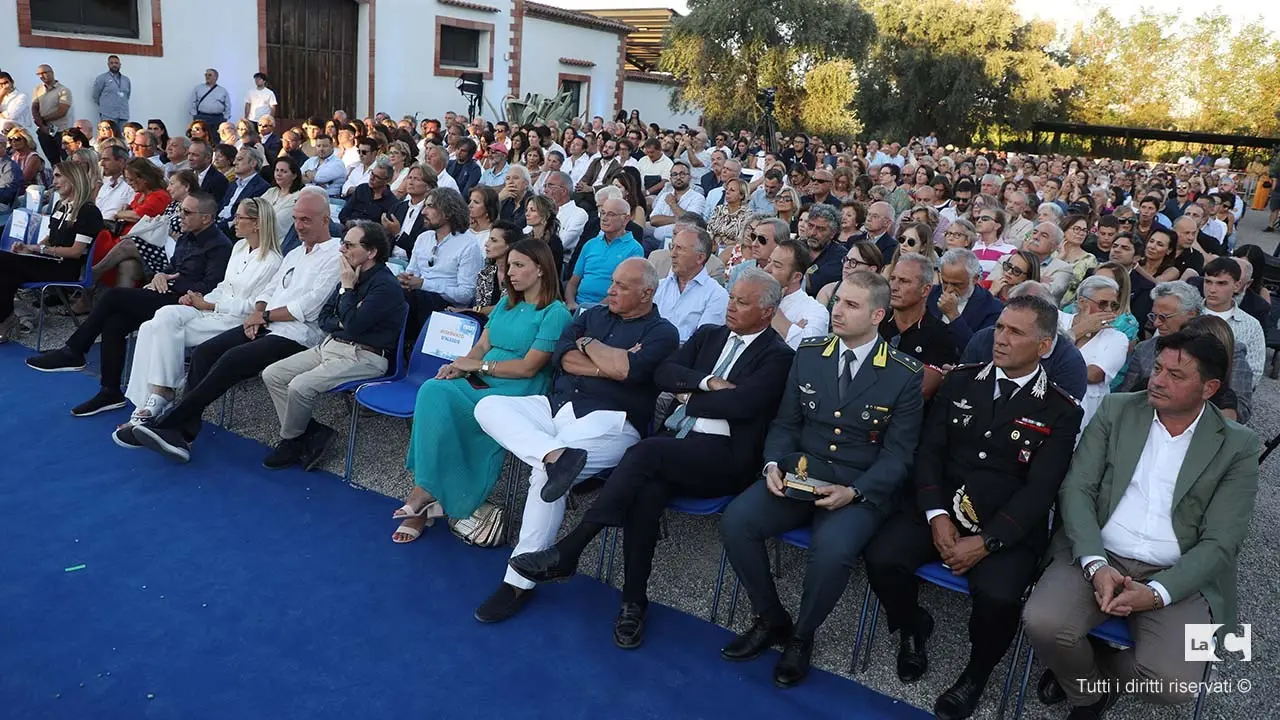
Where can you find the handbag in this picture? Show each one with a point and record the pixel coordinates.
(486, 527)
(151, 230)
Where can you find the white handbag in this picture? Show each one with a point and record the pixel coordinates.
(151, 230)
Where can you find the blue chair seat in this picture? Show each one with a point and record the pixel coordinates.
(394, 397)
(700, 506)
(800, 537)
(936, 573)
(1114, 631)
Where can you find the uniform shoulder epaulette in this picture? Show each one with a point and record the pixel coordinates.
(910, 362)
(816, 341)
(1070, 398)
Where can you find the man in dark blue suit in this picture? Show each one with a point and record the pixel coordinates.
(271, 142)
(464, 170)
(728, 379)
(959, 300)
(248, 184)
(212, 181)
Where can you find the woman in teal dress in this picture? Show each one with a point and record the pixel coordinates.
(454, 463)
(1125, 321)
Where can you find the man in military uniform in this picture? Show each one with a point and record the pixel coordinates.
(994, 449)
(851, 409)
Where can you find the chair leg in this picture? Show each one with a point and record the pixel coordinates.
(613, 550)
(604, 548)
(40, 324)
(1026, 677)
(1013, 669)
(871, 632)
(1202, 695)
(351, 440)
(715, 598)
(777, 558)
(664, 532)
(862, 622)
(733, 601)
(1271, 445)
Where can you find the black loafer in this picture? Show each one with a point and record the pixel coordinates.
(168, 443)
(961, 699)
(286, 453)
(761, 636)
(505, 602)
(562, 473)
(793, 666)
(543, 566)
(913, 660)
(104, 401)
(1049, 690)
(1095, 711)
(628, 629)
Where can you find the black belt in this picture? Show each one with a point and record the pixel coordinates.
(376, 351)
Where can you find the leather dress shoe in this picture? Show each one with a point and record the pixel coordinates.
(961, 699)
(1094, 711)
(543, 566)
(761, 636)
(1049, 690)
(504, 603)
(793, 666)
(913, 661)
(628, 629)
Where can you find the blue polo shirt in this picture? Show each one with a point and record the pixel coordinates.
(596, 263)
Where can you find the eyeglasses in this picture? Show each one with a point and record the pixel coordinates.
(1105, 304)
(986, 218)
(365, 152)
(187, 213)
(1012, 269)
(353, 245)
(611, 214)
(854, 262)
(955, 235)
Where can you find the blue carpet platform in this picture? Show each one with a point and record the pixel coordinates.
(134, 588)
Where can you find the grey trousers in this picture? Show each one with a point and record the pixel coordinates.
(1062, 610)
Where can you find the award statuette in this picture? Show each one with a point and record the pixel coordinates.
(797, 483)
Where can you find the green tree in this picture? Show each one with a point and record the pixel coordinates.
(829, 89)
(956, 67)
(725, 51)
(1234, 76)
(1130, 73)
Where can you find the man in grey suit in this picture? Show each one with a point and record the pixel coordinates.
(851, 410)
(1154, 510)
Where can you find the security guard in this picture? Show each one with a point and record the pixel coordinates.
(994, 449)
(852, 409)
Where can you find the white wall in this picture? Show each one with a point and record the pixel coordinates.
(653, 100)
(161, 85)
(545, 42)
(404, 59)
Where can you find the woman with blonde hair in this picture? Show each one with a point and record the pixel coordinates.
(729, 218)
(400, 156)
(73, 226)
(162, 341)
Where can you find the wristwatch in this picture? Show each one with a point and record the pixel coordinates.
(991, 543)
(485, 367)
(266, 317)
(1092, 568)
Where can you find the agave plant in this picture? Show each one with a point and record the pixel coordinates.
(538, 110)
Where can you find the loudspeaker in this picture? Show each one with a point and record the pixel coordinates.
(471, 83)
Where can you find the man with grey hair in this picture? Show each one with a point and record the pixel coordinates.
(1044, 242)
(687, 297)
(990, 184)
(959, 300)
(825, 253)
(557, 186)
(1050, 212)
(176, 150)
(589, 282)
(728, 379)
(114, 194)
(1172, 305)
(246, 183)
(372, 200)
(495, 167)
(880, 227)
(910, 327)
(437, 159)
(602, 398)
(1064, 363)
(1018, 228)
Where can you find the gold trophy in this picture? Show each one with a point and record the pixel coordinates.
(798, 485)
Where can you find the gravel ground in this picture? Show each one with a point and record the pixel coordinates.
(686, 564)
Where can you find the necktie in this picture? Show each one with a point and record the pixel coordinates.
(846, 376)
(1007, 390)
(679, 420)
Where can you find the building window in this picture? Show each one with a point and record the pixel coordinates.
(459, 47)
(113, 18)
(574, 88)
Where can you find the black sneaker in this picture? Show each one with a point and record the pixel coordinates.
(168, 443)
(105, 400)
(124, 437)
(286, 453)
(60, 360)
(318, 441)
(506, 601)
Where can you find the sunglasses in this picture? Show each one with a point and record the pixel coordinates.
(907, 241)
(1012, 269)
(987, 218)
(1105, 304)
(760, 239)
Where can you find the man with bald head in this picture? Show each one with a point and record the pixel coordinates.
(601, 400)
(880, 227)
(283, 322)
(51, 112)
(593, 272)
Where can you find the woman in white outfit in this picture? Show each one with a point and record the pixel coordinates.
(158, 366)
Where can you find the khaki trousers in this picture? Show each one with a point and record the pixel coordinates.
(1062, 610)
(297, 381)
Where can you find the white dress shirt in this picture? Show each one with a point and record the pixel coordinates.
(16, 109)
(113, 197)
(1248, 332)
(692, 201)
(247, 276)
(1107, 350)
(719, 426)
(357, 175)
(702, 302)
(577, 169)
(452, 269)
(411, 217)
(301, 285)
(799, 306)
(1141, 528)
(572, 220)
(1021, 382)
(350, 156)
(445, 180)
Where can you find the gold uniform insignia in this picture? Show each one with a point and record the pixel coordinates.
(962, 507)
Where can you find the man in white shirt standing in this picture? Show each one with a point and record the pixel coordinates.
(687, 297)
(284, 322)
(572, 218)
(682, 197)
(261, 100)
(1154, 511)
(799, 315)
(15, 108)
(115, 194)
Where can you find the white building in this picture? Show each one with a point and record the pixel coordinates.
(402, 57)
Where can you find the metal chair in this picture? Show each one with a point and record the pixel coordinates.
(395, 370)
(60, 287)
(934, 573)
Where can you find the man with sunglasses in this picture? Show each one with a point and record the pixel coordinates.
(284, 322)
(768, 233)
(199, 262)
(821, 187)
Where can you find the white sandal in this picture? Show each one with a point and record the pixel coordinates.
(405, 529)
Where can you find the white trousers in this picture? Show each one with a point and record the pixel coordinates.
(158, 354)
(527, 429)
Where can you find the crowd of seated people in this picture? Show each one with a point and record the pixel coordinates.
(916, 351)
